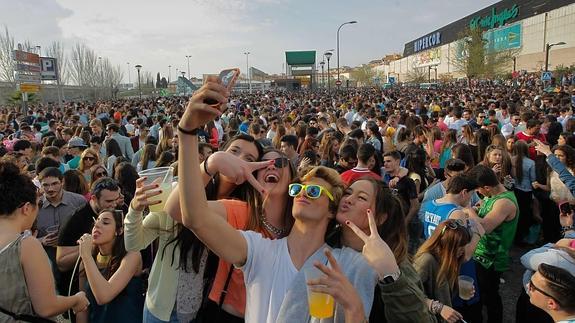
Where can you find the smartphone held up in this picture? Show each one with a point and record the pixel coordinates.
(228, 78)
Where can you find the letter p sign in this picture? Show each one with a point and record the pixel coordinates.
(49, 71)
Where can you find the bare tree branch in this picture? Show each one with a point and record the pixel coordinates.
(6, 61)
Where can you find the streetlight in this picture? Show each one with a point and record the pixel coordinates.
(138, 67)
(328, 56)
(39, 48)
(547, 48)
(322, 63)
(248, 70)
(183, 74)
(345, 23)
(188, 57)
(169, 73)
(129, 74)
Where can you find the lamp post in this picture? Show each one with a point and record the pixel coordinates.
(188, 57)
(328, 56)
(345, 23)
(138, 67)
(183, 74)
(322, 63)
(514, 63)
(169, 73)
(248, 70)
(547, 48)
(129, 74)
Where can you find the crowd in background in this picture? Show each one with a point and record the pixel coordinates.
(400, 191)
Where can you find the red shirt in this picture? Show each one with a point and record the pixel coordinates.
(351, 175)
(528, 139)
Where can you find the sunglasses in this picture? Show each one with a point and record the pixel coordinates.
(279, 162)
(311, 191)
(531, 287)
(454, 225)
(89, 158)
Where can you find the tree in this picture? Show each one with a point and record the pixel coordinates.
(84, 66)
(417, 75)
(473, 58)
(6, 62)
(158, 81)
(164, 83)
(364, 75)
(56, 50)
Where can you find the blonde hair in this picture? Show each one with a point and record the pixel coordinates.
(332, 177)
(84, 153)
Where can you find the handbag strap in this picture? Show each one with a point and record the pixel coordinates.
(226, 285)
(25, 317)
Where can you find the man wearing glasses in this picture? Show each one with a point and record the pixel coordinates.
(510, 129)
(478, 122)
(552, 290)
(56, 208)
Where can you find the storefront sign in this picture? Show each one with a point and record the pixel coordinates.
(427, 42)
(505, 38)
(495, 19)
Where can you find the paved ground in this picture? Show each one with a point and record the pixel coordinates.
(511, 289)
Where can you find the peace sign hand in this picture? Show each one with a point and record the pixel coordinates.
(237, 170)
(375, 251)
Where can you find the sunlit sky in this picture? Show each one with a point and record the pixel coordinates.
(216, 33)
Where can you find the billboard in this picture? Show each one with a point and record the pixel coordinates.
(428, 58)
(508, 37)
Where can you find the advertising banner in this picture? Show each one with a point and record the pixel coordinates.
(428, 58)
(508, 37)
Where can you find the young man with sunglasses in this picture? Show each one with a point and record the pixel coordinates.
(270, 267)
(498, 214)
(552, 290)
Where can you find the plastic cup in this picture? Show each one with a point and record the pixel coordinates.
(320, 305)
(162, 176)
(466, 288)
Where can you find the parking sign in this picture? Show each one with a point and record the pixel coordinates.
(49, 68)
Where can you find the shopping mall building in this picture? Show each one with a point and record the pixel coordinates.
(526, 27)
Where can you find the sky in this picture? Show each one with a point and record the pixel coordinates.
(217, 33)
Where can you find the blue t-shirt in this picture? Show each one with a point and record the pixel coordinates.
(432, 213)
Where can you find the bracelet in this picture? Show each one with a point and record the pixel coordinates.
(206, 167)
(193, 132)
(436, 307)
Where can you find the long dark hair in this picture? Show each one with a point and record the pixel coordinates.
(118, 250)
(393, 230)
(415, 163)
(15, 189)
(185, 238)
(520, 150)
(126, 175)
(113, 148)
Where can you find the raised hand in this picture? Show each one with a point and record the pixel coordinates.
(336, 284)
(85, 243)
(542, 148)
(376, 252)
(199, 113)
(143, 194)
(236, 169)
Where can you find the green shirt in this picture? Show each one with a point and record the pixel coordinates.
(493, 248)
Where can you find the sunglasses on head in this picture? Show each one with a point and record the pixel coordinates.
(311, 191)
(454, 225)
(279, 162)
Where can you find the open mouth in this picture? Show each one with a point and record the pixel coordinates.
(271, 178)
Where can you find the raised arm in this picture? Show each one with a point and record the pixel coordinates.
(564, 175)
(213, 230)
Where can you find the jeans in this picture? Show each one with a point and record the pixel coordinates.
(150, 318)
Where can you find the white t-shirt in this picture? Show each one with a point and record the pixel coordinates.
(268, 274)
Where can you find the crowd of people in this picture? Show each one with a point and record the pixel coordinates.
(400, 197)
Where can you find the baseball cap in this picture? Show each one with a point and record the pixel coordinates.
(76, 142)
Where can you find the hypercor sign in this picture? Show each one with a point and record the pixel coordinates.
(427, 42)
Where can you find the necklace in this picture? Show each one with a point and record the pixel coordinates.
(101, 259)
(277, 232)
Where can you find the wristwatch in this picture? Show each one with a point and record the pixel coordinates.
(390, 278)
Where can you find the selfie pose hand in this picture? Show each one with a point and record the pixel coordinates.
(198, 113)
(336, 284)
(375, 251)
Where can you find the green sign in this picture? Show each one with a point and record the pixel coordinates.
(508, 37)
(495, 19)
